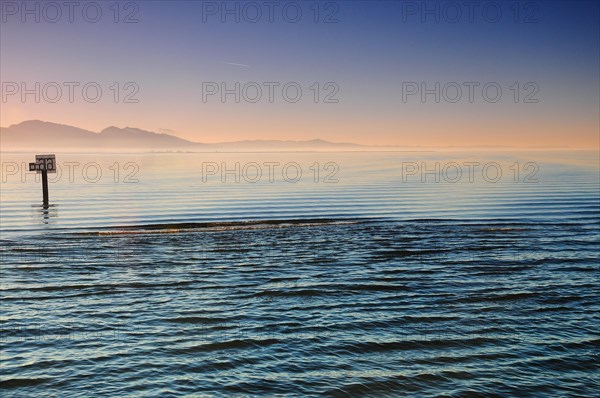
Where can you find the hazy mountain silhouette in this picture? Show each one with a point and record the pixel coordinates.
(46, 136)
(132, 137)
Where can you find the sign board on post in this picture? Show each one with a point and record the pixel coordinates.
(43, 163)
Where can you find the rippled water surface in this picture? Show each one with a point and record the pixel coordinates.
(378, 284)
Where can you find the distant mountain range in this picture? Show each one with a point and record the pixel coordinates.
(49, 137)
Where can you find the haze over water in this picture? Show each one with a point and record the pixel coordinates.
(106, 190)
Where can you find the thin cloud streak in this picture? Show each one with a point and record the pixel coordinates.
(236, 64)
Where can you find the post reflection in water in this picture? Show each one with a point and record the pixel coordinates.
(46, 212)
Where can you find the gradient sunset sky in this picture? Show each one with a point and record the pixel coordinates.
(369, 52)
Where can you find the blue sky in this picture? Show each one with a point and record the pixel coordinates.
(368, 53)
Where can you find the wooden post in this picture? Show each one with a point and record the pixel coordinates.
(45, 187)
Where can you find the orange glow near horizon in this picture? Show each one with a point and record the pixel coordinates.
(408, 132)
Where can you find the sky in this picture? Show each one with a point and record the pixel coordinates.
(347, 71)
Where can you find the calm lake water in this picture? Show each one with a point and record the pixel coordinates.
(337, 274)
